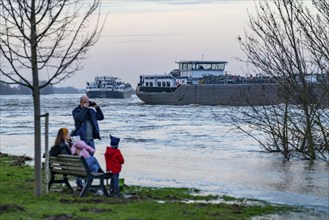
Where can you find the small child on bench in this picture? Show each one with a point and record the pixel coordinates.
(82, 149)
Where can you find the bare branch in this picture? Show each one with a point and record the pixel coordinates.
(289, 42)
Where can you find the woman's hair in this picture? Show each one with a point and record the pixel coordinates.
(62, 132)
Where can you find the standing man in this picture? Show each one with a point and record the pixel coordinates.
(86, 120)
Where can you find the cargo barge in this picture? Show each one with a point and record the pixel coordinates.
(207, 83)
(108, 87)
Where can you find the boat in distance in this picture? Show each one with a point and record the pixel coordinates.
(205, 83)
(109, 87)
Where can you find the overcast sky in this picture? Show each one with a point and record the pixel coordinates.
(148, 37)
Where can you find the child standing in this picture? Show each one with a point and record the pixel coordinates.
(114, 161)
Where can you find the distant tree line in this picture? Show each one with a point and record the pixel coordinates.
(6, 89)
(67, 90)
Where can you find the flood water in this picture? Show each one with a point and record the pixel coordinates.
(177, 146)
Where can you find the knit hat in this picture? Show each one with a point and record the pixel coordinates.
(114, 141)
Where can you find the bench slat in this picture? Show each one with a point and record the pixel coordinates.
(64, 160)
(67, 168)
(71, 172)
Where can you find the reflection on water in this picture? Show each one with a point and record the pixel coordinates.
(190, 146)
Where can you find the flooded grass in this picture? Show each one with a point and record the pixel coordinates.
(18, 202)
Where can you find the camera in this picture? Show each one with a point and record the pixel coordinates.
(91, 103)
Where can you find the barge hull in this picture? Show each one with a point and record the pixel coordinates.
(223, 94)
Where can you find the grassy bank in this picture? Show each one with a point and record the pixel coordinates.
(17, 201)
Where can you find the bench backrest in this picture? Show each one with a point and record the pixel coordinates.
(68, 164)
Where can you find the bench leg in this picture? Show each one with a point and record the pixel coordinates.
(86, 187)
(66, 181)
(103, 187)
(52, 180)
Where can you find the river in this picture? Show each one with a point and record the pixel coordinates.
(177, 146)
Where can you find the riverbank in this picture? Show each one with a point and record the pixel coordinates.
(17, 201)
(24, 148)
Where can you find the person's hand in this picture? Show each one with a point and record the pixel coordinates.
(95, 105)
(92, 104)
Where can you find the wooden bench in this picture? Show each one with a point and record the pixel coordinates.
(73, 165)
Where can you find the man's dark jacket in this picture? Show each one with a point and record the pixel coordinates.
(80, 116)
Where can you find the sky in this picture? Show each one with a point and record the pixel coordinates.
(148, 37)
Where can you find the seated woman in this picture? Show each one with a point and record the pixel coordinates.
(62, 143)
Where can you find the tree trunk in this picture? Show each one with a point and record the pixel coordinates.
(37, 137)
(36, 103)
(285, 130)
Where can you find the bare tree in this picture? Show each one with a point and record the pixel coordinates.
(288, 41)
(45, 38)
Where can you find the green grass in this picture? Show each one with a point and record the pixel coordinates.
(17, 201)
